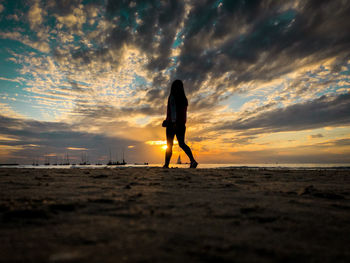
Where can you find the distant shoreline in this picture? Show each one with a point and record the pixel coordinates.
(341, 166)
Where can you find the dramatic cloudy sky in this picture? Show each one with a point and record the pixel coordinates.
(267, 81)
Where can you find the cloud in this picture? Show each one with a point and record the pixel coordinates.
(35, 15)
(108, 66)
(24, 139)
(38, 45)
(334, 143)
(315, 136)
(321, 112)
(274, 42)
(220, 47)
(8, 111)
(76, 149)
(12, 80)
(73, 20)
(239, 140)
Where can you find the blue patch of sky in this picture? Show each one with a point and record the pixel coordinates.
(8, 68)
(178, 39)
(345, 72)
(14, 93)
(142, 121)
(24, 106)
(332, 87)
(237, 100)
(140, 81)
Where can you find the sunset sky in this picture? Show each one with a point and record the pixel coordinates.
(267, 81)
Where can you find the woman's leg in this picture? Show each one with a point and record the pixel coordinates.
(170, 133)
(180, 135)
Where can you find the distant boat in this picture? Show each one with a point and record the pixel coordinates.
(35, 162)
(117, 163)
(179, 160)
(66, 161)
(140, 163)
(47, 160)
(84, 159)
(123, 162)
(110, 162)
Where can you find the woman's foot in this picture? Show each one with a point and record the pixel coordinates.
(165, 166)
(193, 164)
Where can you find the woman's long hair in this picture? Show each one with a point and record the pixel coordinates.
(177, 90)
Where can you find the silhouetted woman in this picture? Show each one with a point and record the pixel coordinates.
(175, 122)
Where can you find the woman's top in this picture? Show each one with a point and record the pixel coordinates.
(175, 113)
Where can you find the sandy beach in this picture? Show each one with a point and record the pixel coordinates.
(174, 215)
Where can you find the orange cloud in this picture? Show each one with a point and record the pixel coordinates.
(76, 149)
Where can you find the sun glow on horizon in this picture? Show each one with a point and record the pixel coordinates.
(161, 143)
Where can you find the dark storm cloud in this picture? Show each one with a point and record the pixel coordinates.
(244, 140)
(39, 138)
(241, 40)
(159, 20)
(149, 25)
(107, 111)
(334, 143)
(249, 40)
(273, 41)
(321, 112)
(62, 7)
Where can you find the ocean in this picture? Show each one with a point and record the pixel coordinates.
(201, 165)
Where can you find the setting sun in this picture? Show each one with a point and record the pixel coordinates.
(161, 143)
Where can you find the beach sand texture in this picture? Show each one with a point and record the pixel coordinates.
(174, 215)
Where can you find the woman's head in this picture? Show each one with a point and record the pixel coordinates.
(177, 90)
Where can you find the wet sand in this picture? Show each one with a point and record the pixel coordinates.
(174, 215)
